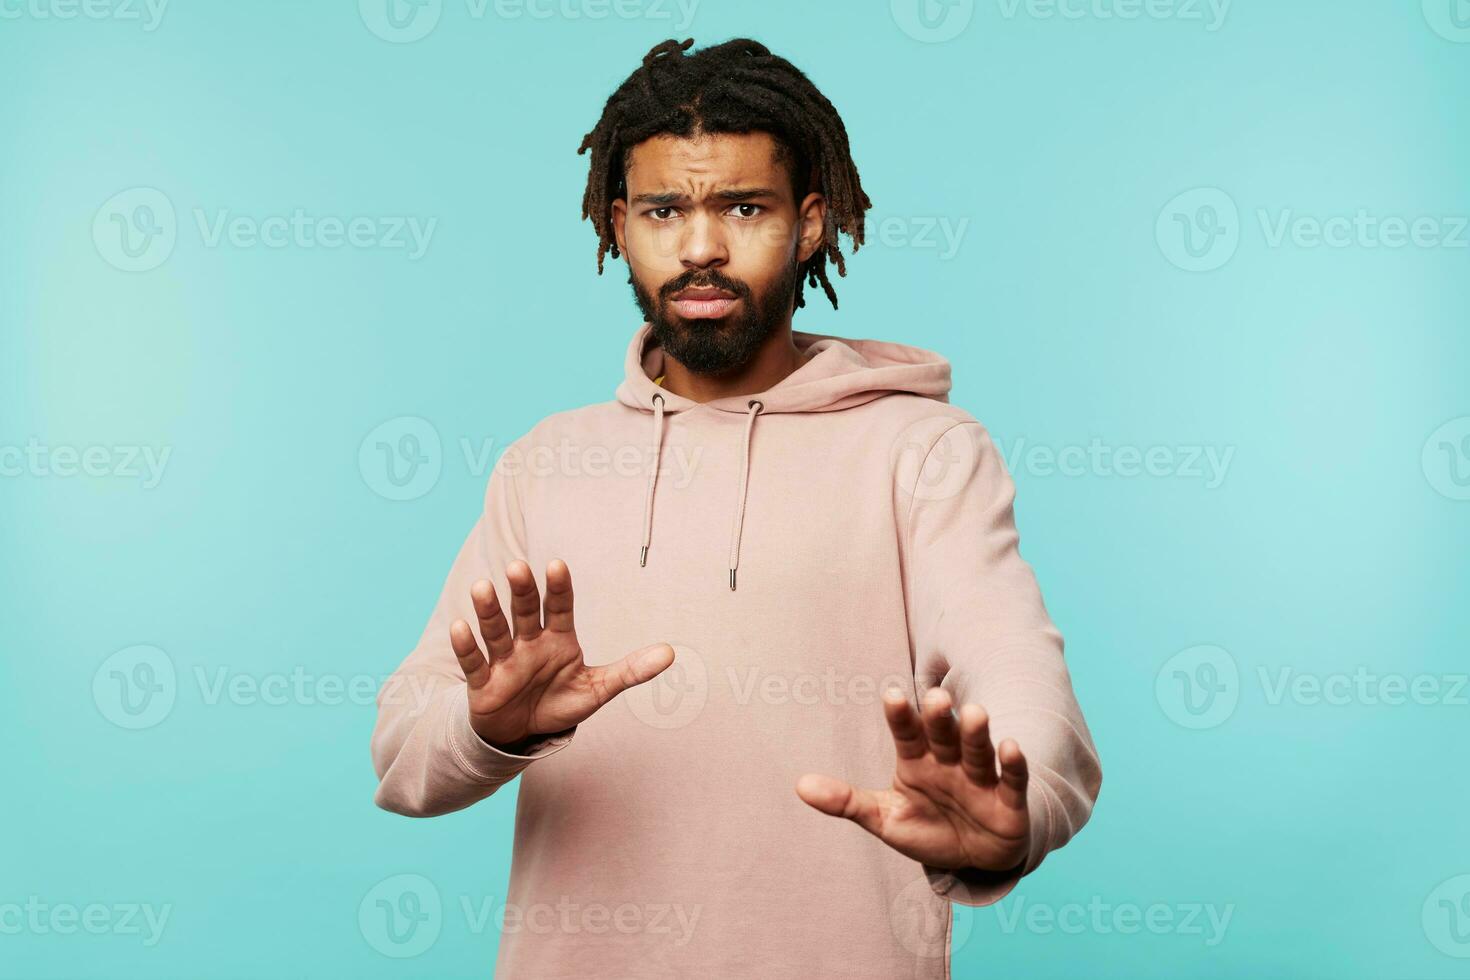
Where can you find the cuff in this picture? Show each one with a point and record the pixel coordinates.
(484, 761)
(978, 887)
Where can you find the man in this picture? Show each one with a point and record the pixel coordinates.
(817, 541)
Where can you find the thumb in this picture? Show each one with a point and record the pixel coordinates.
(637, 667)
(840, 799)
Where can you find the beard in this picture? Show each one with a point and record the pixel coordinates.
(716, 345)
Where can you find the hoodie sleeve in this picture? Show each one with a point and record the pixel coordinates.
(979, 628)
(428, 759)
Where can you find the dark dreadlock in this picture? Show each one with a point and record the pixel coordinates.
(734, 87)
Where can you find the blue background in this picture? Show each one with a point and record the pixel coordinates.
(1334, 835)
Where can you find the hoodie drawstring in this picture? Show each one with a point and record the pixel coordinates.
(755, 407)
(658, 448)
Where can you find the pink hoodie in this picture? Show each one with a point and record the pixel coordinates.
(870, 523)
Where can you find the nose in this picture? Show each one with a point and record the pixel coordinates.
(702, 243)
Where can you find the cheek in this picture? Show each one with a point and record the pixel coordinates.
(760, 255)
(652, 249)
(763, 243)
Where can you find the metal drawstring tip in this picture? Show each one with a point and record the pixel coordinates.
(732, 580)
(643, 555)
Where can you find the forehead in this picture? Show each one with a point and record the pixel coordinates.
(669, 162)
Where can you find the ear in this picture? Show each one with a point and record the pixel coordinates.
(619, 215)
(811, 217)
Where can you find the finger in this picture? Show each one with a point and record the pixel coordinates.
(494, 630)
(559, 596)
(609, 681)
(525, 600)
(940, 726)
(908, 736)
(977, 754)
(839, 799)
(471, 660)
(1013, 775)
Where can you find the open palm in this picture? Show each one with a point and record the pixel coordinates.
(533, 680)
(949, 806)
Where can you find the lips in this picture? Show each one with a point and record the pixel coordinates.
(697, 309)
(704, 302)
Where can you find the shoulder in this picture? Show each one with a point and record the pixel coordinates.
(920, 423)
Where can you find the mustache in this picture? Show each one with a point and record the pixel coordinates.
(703, 280)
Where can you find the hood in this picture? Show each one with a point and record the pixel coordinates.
(841, 373)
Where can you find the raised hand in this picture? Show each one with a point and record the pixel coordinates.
(534, 681)
(949, 807)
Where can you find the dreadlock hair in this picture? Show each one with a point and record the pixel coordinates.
(734, 87)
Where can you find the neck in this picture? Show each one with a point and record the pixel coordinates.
(776, 358)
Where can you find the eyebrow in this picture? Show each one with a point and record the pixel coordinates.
(727, 194)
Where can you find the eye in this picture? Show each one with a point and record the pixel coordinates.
(655, 212)
(748, 216)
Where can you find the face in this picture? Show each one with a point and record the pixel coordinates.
(713, 239)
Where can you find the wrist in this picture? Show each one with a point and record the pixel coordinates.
(515, 747)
